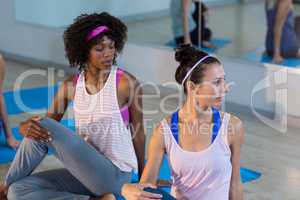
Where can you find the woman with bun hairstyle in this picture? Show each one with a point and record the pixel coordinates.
(109, 141)
(202, 144)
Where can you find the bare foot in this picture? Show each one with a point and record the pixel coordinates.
(277, 59)
(3, 192)
(12, 142)
(207, 44)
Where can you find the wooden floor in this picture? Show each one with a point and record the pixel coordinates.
(275, 154)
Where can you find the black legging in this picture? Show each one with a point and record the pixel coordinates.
(206, 33)
(194, 37)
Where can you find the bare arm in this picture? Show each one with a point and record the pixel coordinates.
(156, 150)
(185, 21)
(3, 112)
(236, 139)
(155, 155)
(31, 127)
(283, 8)
(63, 96)
(136, 124)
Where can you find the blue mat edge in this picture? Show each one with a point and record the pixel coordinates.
(219, 42)
(259, 56)
(29, 93)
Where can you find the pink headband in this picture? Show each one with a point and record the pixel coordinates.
(96, 31)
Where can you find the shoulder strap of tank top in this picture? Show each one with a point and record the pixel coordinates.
(120, 73)
(75, 78)
(225, 124)
(174, 125)
(125, 110)
(216, 126)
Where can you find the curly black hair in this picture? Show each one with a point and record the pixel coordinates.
(77, 48)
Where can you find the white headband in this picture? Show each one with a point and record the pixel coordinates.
(191, 70)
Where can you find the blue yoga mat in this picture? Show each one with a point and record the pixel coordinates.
(218, 42)
(259, 56)
(249, 175)
(33, 99)
(7, 154)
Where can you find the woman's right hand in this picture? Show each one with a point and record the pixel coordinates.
(136, 192)
(33, 130)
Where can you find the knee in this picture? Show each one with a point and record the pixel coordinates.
(28, 143)
(57, 130)
(48, 124)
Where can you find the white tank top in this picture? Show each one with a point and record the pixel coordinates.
(98, 120)
(203, 175)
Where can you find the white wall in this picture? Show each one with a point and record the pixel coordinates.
(45, 43)
(57, 13)
(29, 41)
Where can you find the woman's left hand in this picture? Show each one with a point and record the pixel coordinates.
(136, 192)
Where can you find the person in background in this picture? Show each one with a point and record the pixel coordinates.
(185, 22)
(4, 122)
(282, 39)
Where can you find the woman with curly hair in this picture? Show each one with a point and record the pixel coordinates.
(202, 144)
(107, 105)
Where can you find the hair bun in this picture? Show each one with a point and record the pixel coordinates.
(187, 56)
(183, 53)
